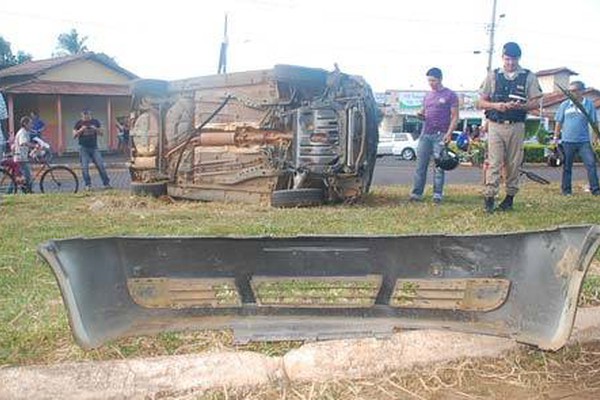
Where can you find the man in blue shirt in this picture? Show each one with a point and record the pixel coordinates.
(573, 128)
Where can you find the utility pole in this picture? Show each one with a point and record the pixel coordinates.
(492, 31)
(222, 69)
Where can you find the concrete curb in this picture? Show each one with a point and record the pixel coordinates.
(179, 376)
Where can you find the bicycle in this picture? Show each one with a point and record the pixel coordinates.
(52, 178)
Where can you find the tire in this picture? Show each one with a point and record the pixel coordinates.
(154, 189)
(297, 198)
(149, 87)
(59, 179)
(408, 154)
(8, 184)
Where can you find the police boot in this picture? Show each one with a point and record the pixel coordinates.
(489, 205)
(506, 204)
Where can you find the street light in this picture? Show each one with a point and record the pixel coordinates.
(492, 31)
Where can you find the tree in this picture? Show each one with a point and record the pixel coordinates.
(7, 58)
(71, 43)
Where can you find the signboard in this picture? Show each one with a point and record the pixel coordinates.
(409, 102)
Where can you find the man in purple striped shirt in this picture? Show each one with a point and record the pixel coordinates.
(440, 114)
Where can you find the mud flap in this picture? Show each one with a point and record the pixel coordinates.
(518, 285)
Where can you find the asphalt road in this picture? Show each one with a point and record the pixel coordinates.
(388, 171)
(392, 171)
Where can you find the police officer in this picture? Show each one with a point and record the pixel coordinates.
(506, 95)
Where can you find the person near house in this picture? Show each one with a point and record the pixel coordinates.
(21, 147)
(572, 128)
(440, 115)
(3, 131)
(506, 95)
(86, 131)
(123, 136)
(37, 129)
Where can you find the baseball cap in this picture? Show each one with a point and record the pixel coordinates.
(434, 72)
(511, 49)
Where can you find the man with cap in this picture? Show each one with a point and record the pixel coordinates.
(506, 95)
(440, 114)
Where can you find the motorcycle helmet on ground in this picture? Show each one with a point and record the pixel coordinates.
(447, 160)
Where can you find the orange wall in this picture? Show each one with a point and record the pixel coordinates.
(71, 112)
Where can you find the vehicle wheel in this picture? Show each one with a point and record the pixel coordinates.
(408, 154)
(59, 179)
(8, 184)
(153, 189)
(297, 197)
(149, 87)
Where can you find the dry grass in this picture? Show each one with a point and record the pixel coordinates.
(572, 373)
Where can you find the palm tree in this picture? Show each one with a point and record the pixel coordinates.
(71, 43)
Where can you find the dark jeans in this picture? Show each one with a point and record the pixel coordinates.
(586, 152)
(86, 155)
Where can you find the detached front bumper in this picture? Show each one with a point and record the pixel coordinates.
(519, 285)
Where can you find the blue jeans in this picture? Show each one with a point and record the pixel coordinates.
(25, 169)
(586, 152)
(86, 155)
(429, 145)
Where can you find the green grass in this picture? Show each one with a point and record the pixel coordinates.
(33, 323)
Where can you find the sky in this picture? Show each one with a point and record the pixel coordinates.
(391, 43)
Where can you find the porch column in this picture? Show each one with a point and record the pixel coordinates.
(109, 124)
(11, 115)
(60, 131)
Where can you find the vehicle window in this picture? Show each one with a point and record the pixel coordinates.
(401, 137)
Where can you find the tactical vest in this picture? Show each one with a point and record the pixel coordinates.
(502, 89)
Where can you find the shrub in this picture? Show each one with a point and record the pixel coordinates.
(534, 153)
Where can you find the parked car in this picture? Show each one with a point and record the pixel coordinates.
(405, 146)
(384, 146)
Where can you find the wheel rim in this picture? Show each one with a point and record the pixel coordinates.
(8, 184)
(59, 179)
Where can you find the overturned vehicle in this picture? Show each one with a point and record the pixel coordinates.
(522, 285)
(288, 136)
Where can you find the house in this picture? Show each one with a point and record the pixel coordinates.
(550, 80)
(59, 88)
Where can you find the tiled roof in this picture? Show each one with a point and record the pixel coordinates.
(35, 86)
(555, 71)
(35, 68)
(549, 100)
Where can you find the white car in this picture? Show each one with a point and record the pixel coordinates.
(405, 146)
(400, 144)
(384, 146)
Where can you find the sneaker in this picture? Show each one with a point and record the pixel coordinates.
(506, 204)
(489, 205)
(414, 198)
(437, 199)
(107, 187)
(87, 189)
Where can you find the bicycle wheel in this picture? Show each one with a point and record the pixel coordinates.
(8, 184)
(59, 179)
